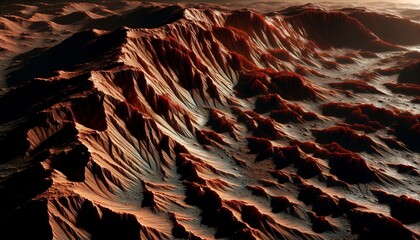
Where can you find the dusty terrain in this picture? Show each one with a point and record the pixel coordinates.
(129, 120)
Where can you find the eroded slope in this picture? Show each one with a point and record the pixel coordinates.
(215, 124)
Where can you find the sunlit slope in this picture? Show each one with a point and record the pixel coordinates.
(211, 123)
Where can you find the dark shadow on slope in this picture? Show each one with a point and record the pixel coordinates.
(73, 53)
(337, 29)
(142, 17)
(388, 27)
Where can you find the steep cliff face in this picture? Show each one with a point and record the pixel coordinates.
(200, 122)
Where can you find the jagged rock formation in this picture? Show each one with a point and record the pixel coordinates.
(199, 122)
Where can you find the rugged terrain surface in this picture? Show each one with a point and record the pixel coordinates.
(123, 120)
